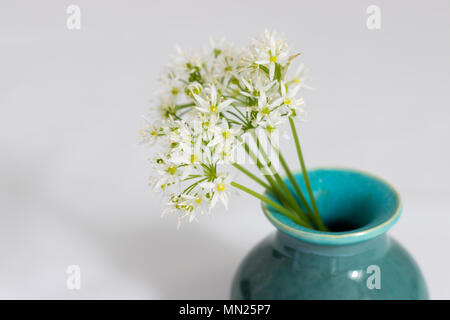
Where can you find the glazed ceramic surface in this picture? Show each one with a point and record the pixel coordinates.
(355, 260)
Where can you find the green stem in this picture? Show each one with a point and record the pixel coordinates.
(277, 192)
(192, 186)
(318, 219)
(251, 154)
(182, 106)
(294, 182)
(251, 175)
(273, 204)
(273, 186)
(293, 202)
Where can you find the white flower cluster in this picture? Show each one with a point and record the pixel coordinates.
(207, 101)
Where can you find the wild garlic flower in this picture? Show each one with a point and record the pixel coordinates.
(211, 104)
(150, 132)
(206, 103)
(270, 51)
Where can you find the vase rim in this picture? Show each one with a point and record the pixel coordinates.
(356, 235)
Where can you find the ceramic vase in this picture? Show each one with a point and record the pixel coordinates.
(355, 260)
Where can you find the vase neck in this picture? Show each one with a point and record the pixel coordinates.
(376, 246)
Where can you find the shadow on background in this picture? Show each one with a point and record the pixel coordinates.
(179, 264)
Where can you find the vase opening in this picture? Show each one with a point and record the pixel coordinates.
(354, 205)
(349, 211)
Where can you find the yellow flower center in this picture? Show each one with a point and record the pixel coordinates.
(287, 101)
(198, 200)
(266, 111)
(220, 187)
(175, 91)
(194, 158)
(270, 129)
(296, 80)
(226, 134)
(172, 170)
(273, 59)
(154, 133)
(213, 108)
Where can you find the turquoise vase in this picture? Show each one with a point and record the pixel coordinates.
(355, 260)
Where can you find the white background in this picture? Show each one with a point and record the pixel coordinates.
(73, 185)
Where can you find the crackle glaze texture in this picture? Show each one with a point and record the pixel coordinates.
(355, 260)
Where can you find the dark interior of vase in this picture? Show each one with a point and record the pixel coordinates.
(342, 225)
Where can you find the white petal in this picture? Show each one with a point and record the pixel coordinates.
(283, 88)
(224, 199)
(294, 91)
(201, 101)
(262, 101)
(214, 200)
(213, 95)
(271, 70)
(207, 185)
(225, 104)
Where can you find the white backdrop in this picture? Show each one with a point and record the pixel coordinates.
(73, 185)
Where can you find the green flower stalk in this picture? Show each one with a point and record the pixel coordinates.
(216, 105)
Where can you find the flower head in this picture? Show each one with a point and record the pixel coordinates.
(270, 51)
(207, 102)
